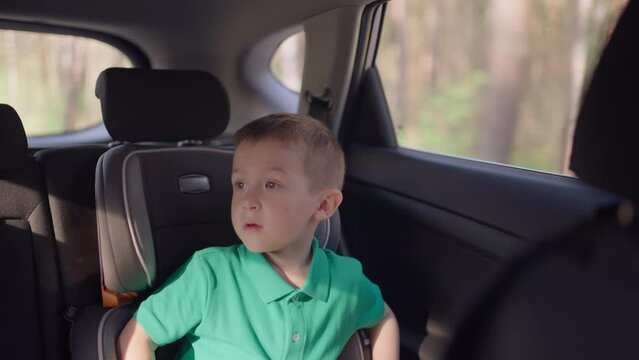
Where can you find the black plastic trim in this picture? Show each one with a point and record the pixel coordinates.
(519, 202)
(360, 65)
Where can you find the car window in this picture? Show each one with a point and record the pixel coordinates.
(287, 63)
(496, 80)
(50, 79)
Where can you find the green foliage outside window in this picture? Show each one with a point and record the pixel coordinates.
(50, 79)
(497, 80)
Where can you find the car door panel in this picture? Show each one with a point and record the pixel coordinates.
(433, 230)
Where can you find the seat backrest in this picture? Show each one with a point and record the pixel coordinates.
(69, 175)
(31, 307)
(575, 295)
(157, 203)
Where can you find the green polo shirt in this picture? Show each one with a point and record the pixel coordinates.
(229, 303)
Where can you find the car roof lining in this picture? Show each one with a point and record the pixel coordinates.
(155, 25)
(209, 35)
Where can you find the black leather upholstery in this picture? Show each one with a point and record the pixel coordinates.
(31, 306)
(605, 144)
(69, 174)
(146, 105)
(13, 141)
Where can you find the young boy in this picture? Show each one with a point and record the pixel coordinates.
(278, 295)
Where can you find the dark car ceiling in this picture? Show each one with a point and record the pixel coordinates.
(166, 30)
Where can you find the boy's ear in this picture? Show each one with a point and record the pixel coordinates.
(330, 201)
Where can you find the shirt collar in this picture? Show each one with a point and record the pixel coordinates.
(270, 286)
(318, 279)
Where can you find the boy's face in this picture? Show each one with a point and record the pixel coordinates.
(273, 208)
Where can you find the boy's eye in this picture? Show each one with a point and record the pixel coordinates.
(239, 185)
(270, 185)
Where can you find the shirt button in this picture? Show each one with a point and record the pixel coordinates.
(295, 300)
(296, 336)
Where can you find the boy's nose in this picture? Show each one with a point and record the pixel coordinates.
(251, 203)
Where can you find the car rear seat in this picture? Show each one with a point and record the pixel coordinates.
(152, 210)
(32, 305)
(161, 192)
(69, 174)
(176, 195)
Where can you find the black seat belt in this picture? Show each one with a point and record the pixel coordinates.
(320, 106)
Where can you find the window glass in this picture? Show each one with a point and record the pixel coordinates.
(50, 79)
(287, 63)
(497, 80)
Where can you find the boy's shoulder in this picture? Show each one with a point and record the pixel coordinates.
(345, 266)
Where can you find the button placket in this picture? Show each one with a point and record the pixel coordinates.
(297, 334)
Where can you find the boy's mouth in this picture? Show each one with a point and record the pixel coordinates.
(252, 226)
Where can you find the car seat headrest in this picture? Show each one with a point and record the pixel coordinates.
(606, 145)
(162, 105)
(13, 145)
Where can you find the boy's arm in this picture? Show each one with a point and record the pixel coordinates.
(134, 343)
(385, 336)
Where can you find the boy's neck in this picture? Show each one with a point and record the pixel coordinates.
(292, 265)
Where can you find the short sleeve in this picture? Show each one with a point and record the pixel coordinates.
(370, 304)
(177, 307)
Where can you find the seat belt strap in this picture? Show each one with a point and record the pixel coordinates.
(71, 313)
(320, 106)
(365, 341)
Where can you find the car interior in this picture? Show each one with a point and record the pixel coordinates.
(477, 259)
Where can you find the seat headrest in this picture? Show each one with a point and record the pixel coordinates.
(162, 105)
(606, 141)
(13, 144)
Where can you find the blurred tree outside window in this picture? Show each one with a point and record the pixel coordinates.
(496, 80)
(287, 62)
(50, 79)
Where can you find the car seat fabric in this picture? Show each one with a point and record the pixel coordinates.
(156, 202)
(69, 174)
(142, 211)
(160, 201)
(31, 308)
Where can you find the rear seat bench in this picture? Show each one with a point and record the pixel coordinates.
(31, 309)
(69, 174)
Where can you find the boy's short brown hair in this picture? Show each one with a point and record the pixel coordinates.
(323, 157)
